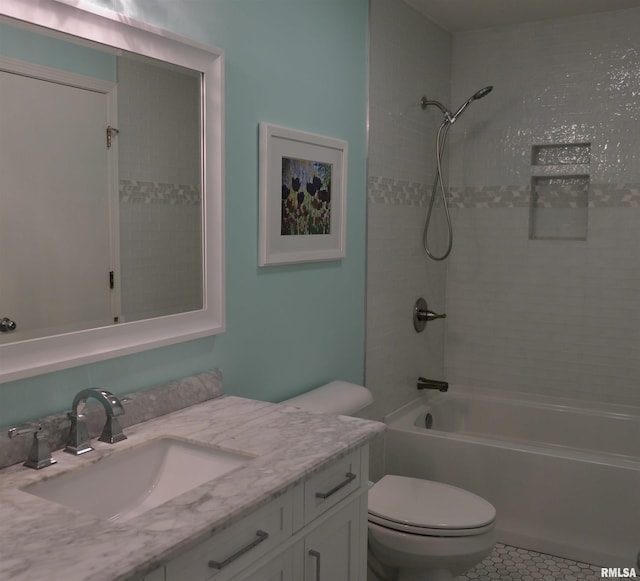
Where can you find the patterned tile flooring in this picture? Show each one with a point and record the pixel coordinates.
(507, 563)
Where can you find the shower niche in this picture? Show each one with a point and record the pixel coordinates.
(560, 176)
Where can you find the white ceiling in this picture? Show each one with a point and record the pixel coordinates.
(459, 15)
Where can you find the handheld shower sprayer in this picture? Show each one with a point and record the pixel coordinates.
(477, 95)
(449, 119)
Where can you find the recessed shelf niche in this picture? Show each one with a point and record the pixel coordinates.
(560, 176)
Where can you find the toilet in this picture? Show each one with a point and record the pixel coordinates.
(419, 530)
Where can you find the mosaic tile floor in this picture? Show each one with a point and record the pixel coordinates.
(507, 563)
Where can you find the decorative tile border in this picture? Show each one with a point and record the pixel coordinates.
(407, 193)
(139, 192)
(397, 192)
(614, 195)
(490, 197)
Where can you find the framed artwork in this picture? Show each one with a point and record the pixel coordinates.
(303, 187)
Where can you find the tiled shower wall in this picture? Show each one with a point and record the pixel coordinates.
(409, 57)
(547, 316)
(160, 194)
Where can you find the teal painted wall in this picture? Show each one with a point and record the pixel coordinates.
(301, 64)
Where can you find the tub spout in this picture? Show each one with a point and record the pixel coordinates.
(424, 383)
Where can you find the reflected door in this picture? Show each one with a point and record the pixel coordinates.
(56, 277)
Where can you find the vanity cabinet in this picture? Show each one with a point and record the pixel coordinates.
(231, 550)
(331, 551)
(316, 531)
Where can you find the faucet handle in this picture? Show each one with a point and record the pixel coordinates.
(40, 453)
(422, 315)
(78, 441)
(112, 431)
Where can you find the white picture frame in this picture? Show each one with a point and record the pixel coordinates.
(307, 224)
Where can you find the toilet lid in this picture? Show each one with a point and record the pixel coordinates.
(423, 503)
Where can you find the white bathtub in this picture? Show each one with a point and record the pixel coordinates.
(565, 479)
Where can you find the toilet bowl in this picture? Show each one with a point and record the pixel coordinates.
(419, 530)
(428, 530)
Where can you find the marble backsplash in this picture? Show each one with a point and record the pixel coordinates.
(139, 406)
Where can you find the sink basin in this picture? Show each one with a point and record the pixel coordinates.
(129, 483)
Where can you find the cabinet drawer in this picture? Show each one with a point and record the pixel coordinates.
(225, 554)
(331, 485)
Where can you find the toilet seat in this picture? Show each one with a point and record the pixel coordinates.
(424, 507)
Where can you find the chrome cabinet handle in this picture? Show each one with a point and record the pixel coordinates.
(316, 556)
(262, 536)
(350, 477)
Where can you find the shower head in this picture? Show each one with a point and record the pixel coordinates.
(482, 92)
(477, 95)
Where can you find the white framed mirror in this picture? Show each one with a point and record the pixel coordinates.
(138, 303)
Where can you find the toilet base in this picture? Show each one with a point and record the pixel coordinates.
(424, 558)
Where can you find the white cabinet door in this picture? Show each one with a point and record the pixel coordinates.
(332, 550)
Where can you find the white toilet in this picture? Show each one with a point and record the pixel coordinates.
(419, 530)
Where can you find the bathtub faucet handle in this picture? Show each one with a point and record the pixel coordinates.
(422, 315)
(424, 383)
(430, 316)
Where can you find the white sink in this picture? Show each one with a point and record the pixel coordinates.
(129, 483)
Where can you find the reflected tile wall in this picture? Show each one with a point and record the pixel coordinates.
(161, 249)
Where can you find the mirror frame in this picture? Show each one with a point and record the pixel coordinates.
(46, 354)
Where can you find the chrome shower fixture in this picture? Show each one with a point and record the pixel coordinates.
(441, 138)
(451, 117)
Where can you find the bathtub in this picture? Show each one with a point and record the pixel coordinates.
(564, 478)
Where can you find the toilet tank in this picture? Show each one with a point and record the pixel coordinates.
(337, 397)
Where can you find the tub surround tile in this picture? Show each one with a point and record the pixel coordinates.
(139, 407)
(43, 538)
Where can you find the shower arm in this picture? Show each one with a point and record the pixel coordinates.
(424, 103)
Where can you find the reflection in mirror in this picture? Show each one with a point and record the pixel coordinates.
(159, 189)
(111, 195)
(117, 238)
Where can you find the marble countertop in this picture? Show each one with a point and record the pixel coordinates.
(44, 540)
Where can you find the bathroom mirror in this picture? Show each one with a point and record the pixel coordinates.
(139, 262)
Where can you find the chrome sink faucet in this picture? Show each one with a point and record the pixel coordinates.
(79, 441)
